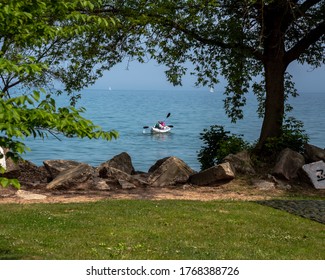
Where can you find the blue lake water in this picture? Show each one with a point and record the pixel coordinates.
(191, 112)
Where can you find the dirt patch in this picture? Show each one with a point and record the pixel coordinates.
(237, 189)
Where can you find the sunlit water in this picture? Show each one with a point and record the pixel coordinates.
(191, 112)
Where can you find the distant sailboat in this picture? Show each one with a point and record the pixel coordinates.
(211, 89)
(109, 88)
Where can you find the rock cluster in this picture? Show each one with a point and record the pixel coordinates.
(309, 168)
(119, 173)
(116, 173)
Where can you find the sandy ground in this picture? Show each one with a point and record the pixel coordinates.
(238, 189)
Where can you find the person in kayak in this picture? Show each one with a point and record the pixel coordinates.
(160, 125)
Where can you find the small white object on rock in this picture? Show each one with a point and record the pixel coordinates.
(316, 173)
(3, 159)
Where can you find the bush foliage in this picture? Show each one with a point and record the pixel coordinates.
(293, 137)
(218, 143)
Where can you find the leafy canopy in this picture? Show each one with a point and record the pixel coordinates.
(249, 42)
(230, 39)
(42, 41)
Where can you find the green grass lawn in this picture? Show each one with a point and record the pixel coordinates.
(139, 229)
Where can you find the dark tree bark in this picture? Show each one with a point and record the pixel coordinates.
(274, 101)
(275, 67)
(277, 19)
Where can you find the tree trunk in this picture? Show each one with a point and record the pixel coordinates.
(274, 101)
(275, 67)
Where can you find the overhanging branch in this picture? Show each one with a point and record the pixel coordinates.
(312, 37)
(307, 5)
(193, 34)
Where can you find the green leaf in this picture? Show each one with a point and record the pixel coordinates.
(5, 182)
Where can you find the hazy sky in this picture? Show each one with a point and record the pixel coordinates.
(151, 76)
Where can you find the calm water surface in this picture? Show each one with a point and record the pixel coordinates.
(191, 112)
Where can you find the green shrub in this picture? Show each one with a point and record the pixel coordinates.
(218, 143)
(293, 137)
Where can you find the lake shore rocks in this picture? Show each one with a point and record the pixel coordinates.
(78, 177)
(119, 173)
(55, 167)
(121, 162)
(241, 162)
(213, 175)
(117, 178)
(288, 164)
(170, 171)
(313, 153)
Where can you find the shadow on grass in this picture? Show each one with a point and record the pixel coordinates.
(309, 209)
(7, 252)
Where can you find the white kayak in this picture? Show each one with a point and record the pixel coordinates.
(165, 129)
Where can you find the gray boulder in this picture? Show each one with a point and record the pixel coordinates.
(121, 162)
(81, 177)
(214, 174)
(157, 165)
(126, 185)
(118, 178)
(313, 153)
(288, 164)
(54, 167)
(241, 162)
(171, 171)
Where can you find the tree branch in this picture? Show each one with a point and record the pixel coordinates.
(312, 37)
(209, 41)
(307, 5)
